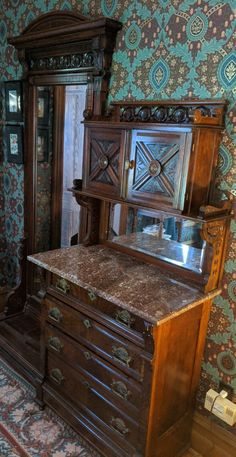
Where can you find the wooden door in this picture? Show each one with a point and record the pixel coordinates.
(159, 167)
(104, 161)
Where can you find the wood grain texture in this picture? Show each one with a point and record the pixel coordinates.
(210, 439)
(191, 453)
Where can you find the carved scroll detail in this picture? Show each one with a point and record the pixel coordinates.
(79, 60)
(213, 233)
(170, 113)
(92, 205)
(15, 298)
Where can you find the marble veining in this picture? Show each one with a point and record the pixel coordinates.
(143, 289)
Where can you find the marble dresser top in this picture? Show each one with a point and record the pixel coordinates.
(143, 289)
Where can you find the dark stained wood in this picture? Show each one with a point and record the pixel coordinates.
(93, 335)
(56, 49)
(122, 390)
(57, 165)
(103, 163)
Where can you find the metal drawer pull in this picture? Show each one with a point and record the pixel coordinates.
(120, 389)
(86, 384)
(91, 295)
(55, 314)
(119, 425)
(87, 355)
(129, 164)
(57, 376)
(87, 323)
(121, 355)
(63, 286)
(55, 343)
(124, 317)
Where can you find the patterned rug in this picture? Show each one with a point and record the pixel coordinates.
(26, 431)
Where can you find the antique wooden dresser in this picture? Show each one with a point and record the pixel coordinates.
(125, 312)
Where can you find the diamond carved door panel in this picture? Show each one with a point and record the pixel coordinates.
(160, 163)
(104, 161)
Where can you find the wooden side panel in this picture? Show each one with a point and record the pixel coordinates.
(202, 167)
(179, 345)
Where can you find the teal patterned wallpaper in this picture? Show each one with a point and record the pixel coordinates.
(166, 49)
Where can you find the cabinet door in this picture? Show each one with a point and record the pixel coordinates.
(159, 165)
(104, 161)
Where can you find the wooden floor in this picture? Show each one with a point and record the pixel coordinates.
(191, 453)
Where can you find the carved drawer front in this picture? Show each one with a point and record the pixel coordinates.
(160, 165)
(103, 162)
(120, 320)
(99, 338)
(81, 391)
(112, 382)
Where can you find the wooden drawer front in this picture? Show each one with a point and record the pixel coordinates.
(124, 322)
(78, 388)
(118, 387)
(100, 339)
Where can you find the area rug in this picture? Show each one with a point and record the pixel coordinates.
(26, 431)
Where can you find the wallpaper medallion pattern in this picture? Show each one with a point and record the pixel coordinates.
(166, 49)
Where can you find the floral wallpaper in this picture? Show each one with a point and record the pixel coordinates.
(166, 49)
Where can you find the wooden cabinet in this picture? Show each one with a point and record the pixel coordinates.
(165, 163)
(123, 339)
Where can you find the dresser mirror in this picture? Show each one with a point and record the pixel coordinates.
(71, 134)
(160, 235)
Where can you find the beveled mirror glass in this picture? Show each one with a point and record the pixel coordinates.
(163, 236)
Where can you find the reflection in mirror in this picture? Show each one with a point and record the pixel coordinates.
(75, 99)
(52, 165)
(44, 154)
(175, 240)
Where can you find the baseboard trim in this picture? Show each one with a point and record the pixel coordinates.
(210, 439)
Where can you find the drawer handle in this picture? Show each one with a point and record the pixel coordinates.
(87, 323)
(55, 344)
(120, 389)
(55, 314)
(86, 384)
(119, 425)
(56, 375)
(129, 164)
(91, 295)
(124, 317)
(87, 355)
(121, 355)
(63, 286)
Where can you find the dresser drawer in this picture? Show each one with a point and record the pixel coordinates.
(78, 389)
(121, 389)
(132, 326)
(123, 354)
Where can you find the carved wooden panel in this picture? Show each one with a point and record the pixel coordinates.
(159, 162)
(104, 153)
